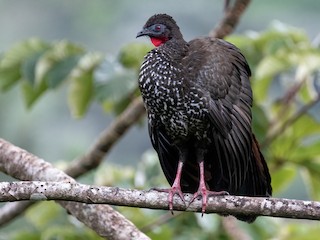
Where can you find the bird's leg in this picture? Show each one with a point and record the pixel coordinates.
(175, 188)
(202, 190)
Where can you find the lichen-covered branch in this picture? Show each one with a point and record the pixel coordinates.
(22, 165)
(276, 207)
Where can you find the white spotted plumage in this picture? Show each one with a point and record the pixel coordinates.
(166, 99)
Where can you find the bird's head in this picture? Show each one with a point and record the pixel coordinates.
(160, 28)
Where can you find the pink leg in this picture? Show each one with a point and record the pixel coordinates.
(175, 188)
(202, 190)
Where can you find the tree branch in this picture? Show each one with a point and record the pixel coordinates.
(275, 207)
(230, 19)
(22, 165)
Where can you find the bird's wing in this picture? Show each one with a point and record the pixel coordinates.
(220, 73)
(167, 152)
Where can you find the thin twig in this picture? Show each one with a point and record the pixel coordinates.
(230, 19)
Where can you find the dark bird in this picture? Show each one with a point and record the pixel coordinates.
(198, 99)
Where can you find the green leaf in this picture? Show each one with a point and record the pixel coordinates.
(305, 126)
(282, 178)
(115, 88)
(57, 63)
(272, 65)
(61, 70)
(110, 89)
(80, 94)
(12, 61)
(297, 141)
(303, 153)
(32, 93)
(81, 84)
(28, 68)
(132, 55)
(280, 36)
(43, 214)
(21, 51)
(311, 177)
(8, 77)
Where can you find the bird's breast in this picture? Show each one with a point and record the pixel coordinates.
(162, 83)
(166, 104)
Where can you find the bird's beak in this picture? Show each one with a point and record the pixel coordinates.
(143, 32)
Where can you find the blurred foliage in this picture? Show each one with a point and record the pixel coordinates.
(286, 85)
(47, 221)
(39, 66)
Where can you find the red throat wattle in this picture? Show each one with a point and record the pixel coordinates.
(158, 41)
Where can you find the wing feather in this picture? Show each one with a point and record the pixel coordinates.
(222, 74)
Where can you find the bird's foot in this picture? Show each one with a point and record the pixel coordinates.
(172, 191)
(205, 194)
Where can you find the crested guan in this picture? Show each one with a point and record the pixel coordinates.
(198, 99)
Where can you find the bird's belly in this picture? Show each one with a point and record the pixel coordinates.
(182, 126)
(199, 128)
(173, 118)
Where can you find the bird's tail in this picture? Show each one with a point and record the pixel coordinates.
(258, 180)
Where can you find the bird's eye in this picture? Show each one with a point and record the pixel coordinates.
(157, 28)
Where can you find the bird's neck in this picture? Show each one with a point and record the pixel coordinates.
(175, 48)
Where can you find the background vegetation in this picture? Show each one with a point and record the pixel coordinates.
(66, 71)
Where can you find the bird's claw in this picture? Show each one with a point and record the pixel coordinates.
(172, 191)
(205, 194)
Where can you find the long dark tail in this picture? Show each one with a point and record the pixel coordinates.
(258, 173)
(258, 180)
